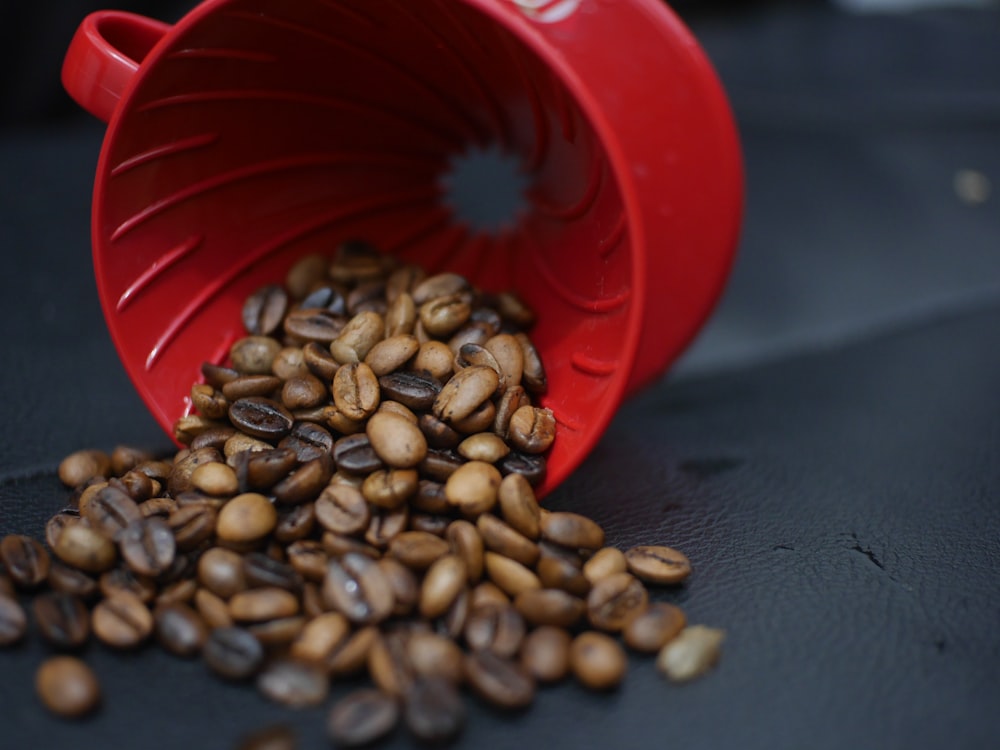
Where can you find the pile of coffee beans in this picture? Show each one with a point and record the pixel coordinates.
(355, 496)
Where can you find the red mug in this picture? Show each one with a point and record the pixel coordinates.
(254, 132)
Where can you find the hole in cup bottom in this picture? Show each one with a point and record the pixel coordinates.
(485, 189)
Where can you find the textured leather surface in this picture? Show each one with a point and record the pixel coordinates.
(828, 455)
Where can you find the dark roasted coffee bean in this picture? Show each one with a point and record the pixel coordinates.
(25, 559)
(295, 523)
(314, 324)
(308, 440)
(615, 600)
(326, 297)
(362, 718)
(503, 539)
(123, 579)
(385, 525)
(262, 470)
(58, 522)
(413, 390)
(276, 737)
(658, 564)
(357, 587)
(138, 486)
(354, 454)
(293, 684)
(80, 466)
(439, 465)
(306, 482)
(650, 630)
(215, 437)
(71, 581)
(158, 506)
(417, 549)
(122, 621)
(434, 710)
(550, 607)
(367, 297)
(261, 417)
(67, 687)
(216, 375)
(264, 310)
(261, 570)
(437, 433)
(533, 468)
(233, 653)
(497, 629)
(251, 386)
(192, 525)
(532, 429)
(13, 621)
(179, 629)
(110, 510)
(597, 660)
(179, 479)
(355, 262)
(319, 361)
(572, 530)
(62, 620)
(545, 653)
(430, 497)
(148, 546)
(432, 523)
(499, 681)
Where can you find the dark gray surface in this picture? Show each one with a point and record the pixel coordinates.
(839, 501)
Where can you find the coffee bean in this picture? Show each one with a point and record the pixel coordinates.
(216, 479)
(439, 465)
(217, 375)
(550, 607)
(179, 629)
(67, 687)
(158, 506)
(251, 386)
(512, 399)
(499, 681)
(138, 486)
(58, 522)
(82, 547)
(432, 523)
(650, 630)
(303, 392)
(354, 454)
(480, 419)
(253, 355)
(404, 584)
(391, 353)
(179, 478)
(213, 609)
(123, 579)
(434, 656)
(357, 587)
(319, 361)
(148, 546)
(385, 525)
(466, 542)
(444, 580)
(306, 482)
(533, 377)
(483, 446)
(233, 653)
(293, 684)
(13, 621)
(83, 465)
(532, 429)
(464, 393)
(352, 657)
(605, 562)
(276, 737)
(314, 324)
(597, 661)
(305, 273)
(122, 621)
(261, 417)
(295, 523)
(414, 390)
(342, 509)
(452, 623)
(192, 525)
(398, 442)
(326, 297)
(260, 570)
(518, 505)
(471, 354)
(533, 468)
(430, 498)
(434, 359)
(362, 717)
(320, 638)
(308, 440)
(265, 309)
(572, 530)
(62, 620)
(67, 580)
(441, 285)
(110, 510)
(434, 710)
(503, 539)
(357, 338)
(691, 653)
(485, 594)
(509, 355)
(189, 427)
(308, 558)
(25, 559)
(510, 575)
(443, 315)
(400, 314)
(338, 545)
(499, 629)
(209, 402)
(256, 605)
(545, 653)
(615, 600)
(389, 489)
(658, 564)
(261, 471)
(178, 592)
(246, 518)
(473, 487)
(388, 664)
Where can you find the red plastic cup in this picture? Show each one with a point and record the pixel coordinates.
(253, 132)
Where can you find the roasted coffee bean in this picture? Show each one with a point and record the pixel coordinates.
(437, 433)
(342, 509)
(58, 522)
(358, 337)
(83, 465)
(209, 402)
(25, 559)
(158, 506)
(470, 355)
(110, 510)
(466, 542)
(261, 471)
(293, 684)
(260, 570)
(216, 437)
(187, 428)
(690, 654)
(251, 386)
(432, 655)
(572, 530)
(391, 353)
(435, 360)
(213, 609)
(216, 479)
(290, 363)
(388, 664)
(414, 390)
(509, 355)
(404, 584)
(308, 440)
(533, 377)
(253, 355)
(67, 580)
(486, 594)
(401, 316)
(123, 579)
(357, 587)
(352, 657)
(81, 547)
(434, 710)
(179, 592)
(532, 429)
(148, 546)
(122, 620)
(418, 549)
(354, 454)
(464, 393)
(217, 375)
(385, 525)
(445, 578)
(545, 653)
(264, 310)
(452, 623)
(499, 681)
(303, 392)
(326, 297)
(124, 458)
(278, 634)
(519, 507)
(179, 629)
(242, 443)
(319, 361)
(510, 575)
(442, 316)
(308, 559)
(179, 478)
(261, 417)
(532, 468)
(430, 498)
(658, 564)
(597, 660)
(62, 620)
(650, 630)
(615, 600)
(398, 442)
(276, 737)
(192, 525)
(260, 604)
(314, 324)
(499, 629)
(605, 562)
(362, 717)
(473, 332)
(7, 585)
(480, 419)
(512, 399)
(306, 482)
(338, 545)
(246, 518)
(550, 607)
(320, 638)
(472, 488)
(503, 539)
(389, 489)
(356, 391)
(295, 523)
(138, 486)
(233, 653)
(305, 274)
(484, 446)
(439, 465)
(432, 523)
(13, 621)
(441, 285)
(67, 687)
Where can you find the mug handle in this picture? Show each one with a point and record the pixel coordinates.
(104, 55)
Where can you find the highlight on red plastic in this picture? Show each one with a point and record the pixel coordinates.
(256, 131)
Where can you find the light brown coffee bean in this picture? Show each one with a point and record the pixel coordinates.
(432, 655)
(110, 510)
(253, 355)
(246, 518)
(320, 638)
(479, 420)
(209, 402)
(559, 573)
(597, 661)
(418, 549)
(396, 440)
(507, 352)
(122, 621)
(452, 623)
(342, 509)
(13, 620)
(550, 607)
(251, 386)
(404, 584)
(67, 687)
(466, 542)
(401, 316)
(503, 539)
(650, 631)
(319, 361)
(484, 446)
(148, 547)
(356, 391)
(64, 579)
(121, 578)
(605, 562)
(308, 558)
(303, 392)
(435, 359)
(388, 665)
(305, 273)
(357, 587)
(532, 429)
(512, 399)
(82, 547)
(26, 560)
(443, 315)
(192, 525)
(486, 594)
(221, 572)
(499, 629)
(442, 583)
(441, 285)
(464, 393)
(658, 564)
(392, 353)
(358, 338)
(290, 363)
(545, 653)
(615, 600)
(362, 718)
(389, 489)
(338, 545)
(499, 681)
(213, 609)
(179, 629)
(264, 310)
(352, 657)
(690, 654)
(58, 522)
(312, 324)
(472, 487)
(385, 525)
(518, 505)
(512, 577)
(533, 377)
(293, 684)
(239, 444)
(178, 592)
(572, 530)
(81, 466)
(257, 605)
